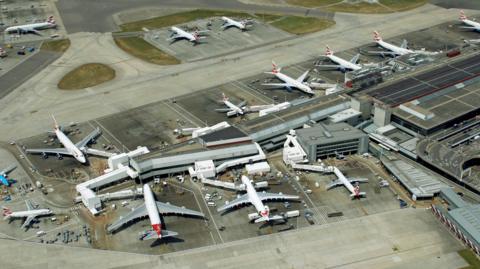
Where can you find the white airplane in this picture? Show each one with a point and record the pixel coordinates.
(232, 109)
(77, 150)
(257, 198)
(178, 34)
(341, 64)
(472, 25)
(242, 25)
(393, 50)
(342, 180)
(33, 27)
(289, 82)
(152, 209)
(30, 214)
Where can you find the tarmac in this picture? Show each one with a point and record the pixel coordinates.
(138, 83)
(404, 238)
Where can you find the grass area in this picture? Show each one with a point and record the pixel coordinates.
(300, 25)
(177, 18)
(385, 6)
(470, 258)
(60, 45)
(312, 3)
(140, 48)
(87, 75)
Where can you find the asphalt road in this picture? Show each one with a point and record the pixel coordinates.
(467, 4)
(22, 72)
(96, 16)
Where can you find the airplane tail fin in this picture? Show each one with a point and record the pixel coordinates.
(376, 36)
(328, 51)
(6, 212)
(462, 15)
(224, 97)
(51, 20)
(152, 234)
(275, 68)
(55, 124)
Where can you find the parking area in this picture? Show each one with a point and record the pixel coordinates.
(216, 41)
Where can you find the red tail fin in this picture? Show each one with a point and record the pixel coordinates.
(224, 97)
(376, 36)
(462, 15)
(7, 211)
(275, 68)
(328, 51)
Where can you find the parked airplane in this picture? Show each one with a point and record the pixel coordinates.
(341, 64)
(472, 25)
(342, 180)
(4, 173)
(393, 50)
(289, 82)
(232, 109)
(242, 25)
(257, 198)
(178, 34)
(152, 209)
(78, 150)
(30, 214)
(33, 27)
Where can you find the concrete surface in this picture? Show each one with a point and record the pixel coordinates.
(406, 238)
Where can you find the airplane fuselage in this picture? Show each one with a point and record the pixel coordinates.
(344, 63)
(395, 49)
(183, 34)
(293, 82)
(30, 213)
(234, 23)
(472, 23)
(69, 146)
(29, 27)
(152, 210)
(254, 199)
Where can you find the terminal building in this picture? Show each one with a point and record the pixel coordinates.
(460, 217)
(321, 140)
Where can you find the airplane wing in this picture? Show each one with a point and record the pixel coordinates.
(359, 180)
(276, 196)
(242, 103)
(329, 66)
(225, 25)
(165, 208)
(28, 221)
(223, 109)
(239, 201)
(334, 184)
(276, 84)
(379, 52)
(8, 169)
(29, 205)
(35, 32)
(82, 143)
(138, 212)
(303, 76)
(61, 151)
(354, 60)
(468, 27)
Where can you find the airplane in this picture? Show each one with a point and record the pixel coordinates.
(341, 64)
(232, 109)
(242, 25)
(30, 214)
(152, 209)
(289, 82)
(393, 50)
(78, 150)
(33, 27)
(178, 34)
(3, 175)
(257, 198)
(342, 180)
(472, 25)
